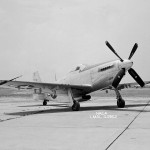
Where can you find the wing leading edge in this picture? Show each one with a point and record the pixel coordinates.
(45, 86)
(125, 85)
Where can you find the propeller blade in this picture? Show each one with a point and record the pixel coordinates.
(133, 50)
(5, 81)
(136, 77)
(118, 78)
(112, 49)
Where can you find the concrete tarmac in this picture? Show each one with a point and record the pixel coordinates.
(99, 125)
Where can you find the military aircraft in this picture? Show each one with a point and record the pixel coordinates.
(84, 79)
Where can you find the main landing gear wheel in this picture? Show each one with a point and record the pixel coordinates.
(76, 106)
(44, 103)
(120, 103)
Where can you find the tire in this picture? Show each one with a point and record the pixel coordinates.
(121, 103)
(76, 106)
(44, 103)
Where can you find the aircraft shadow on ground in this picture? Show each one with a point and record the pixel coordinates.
(58, 105)
(85, 108)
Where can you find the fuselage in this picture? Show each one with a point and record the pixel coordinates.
(99, 76)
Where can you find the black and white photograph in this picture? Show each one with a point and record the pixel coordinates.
(75, 75)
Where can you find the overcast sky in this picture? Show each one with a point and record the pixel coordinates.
(53, 36)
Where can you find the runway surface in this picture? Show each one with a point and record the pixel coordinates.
(27, 125)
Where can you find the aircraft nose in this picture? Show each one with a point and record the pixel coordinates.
(131, 63)
(128, 64)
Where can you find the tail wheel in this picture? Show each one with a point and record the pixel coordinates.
(44, 103)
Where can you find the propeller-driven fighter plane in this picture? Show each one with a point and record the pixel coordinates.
(84, 79)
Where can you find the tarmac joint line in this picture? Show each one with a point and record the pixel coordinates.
(126, 127)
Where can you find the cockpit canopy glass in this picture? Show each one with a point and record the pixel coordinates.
(80, 67)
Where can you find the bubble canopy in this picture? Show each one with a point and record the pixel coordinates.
(80, 67)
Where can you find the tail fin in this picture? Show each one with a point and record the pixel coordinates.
(36, 77)
(55, 77)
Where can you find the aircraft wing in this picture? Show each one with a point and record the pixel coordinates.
(126, 85)
(45, 86)
(130, 85)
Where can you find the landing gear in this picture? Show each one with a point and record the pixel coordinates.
(44, 102)
(120, 103)
(120, 100)
(76, 106)
(74, 103)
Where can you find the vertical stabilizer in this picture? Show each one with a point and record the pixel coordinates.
(55, 77)
(36, 77)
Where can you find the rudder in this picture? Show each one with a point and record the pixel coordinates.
(36, 77)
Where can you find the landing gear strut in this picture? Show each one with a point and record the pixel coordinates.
(44, 102)
(74, 103)
(120, 100)
(75, 106)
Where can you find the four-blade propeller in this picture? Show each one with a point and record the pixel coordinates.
(131, 71)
